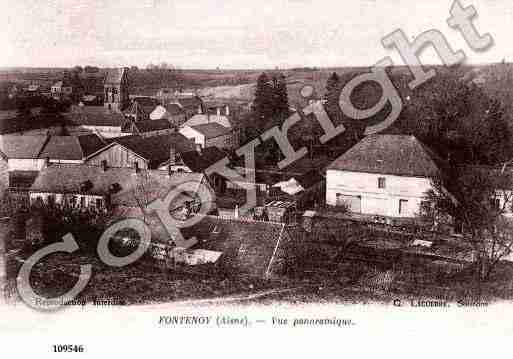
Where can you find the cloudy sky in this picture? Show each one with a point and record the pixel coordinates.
(232, 33)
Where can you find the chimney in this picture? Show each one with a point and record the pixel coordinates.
(104, 165)
(227, 110)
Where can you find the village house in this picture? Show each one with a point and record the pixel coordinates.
(141, 152)
(141, 108)
(71, 149)
(148, 186)
(210, 135)
(116, 92)
(96, 119)
(62, 89)
(191, 104)
(172, 112)
(79, 186)
(147, 128)
(20, 159)
(217, 108)
(385, 175)
(198, 161)
(201, 119)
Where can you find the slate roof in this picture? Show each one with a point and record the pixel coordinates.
(114, 76)
(198, 162)
(389, 154)
(60, 178)
(72, 147)
(211, 130)
(94, 116)
(155, 149)
(23, 147)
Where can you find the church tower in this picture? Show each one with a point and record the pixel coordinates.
(115, 90)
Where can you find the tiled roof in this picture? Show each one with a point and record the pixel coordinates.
(211, 130)
(174, 109)
(155, 184)
(72, 147)
(114, 76)
(198, 162)
(191, 103)
(152, 125)
(204, 119)
(155, 149)
(389, 154)
(24, 147)
(94, 116)
(249, 246)
(58, 178)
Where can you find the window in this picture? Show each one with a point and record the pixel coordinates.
(99, 203)
(403, 204)
(382, 182)
(82, 201)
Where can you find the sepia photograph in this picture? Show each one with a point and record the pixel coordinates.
(178, 170)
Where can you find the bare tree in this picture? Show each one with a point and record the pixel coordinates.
(477, 198)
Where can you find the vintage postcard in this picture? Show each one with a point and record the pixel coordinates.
(320, 176)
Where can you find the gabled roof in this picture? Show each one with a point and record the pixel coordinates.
(161, 111)
(23, 147)
(72, 147)
(151, 125)
(59, 178)
(389, 154)
(94, 116)
(204, 119)
(114, 76)
(191, 102)
(211, 130)
(143, 104)
(155, 149)
(199, 162)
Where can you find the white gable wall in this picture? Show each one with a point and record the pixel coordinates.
(374, 200)
(191, 133)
